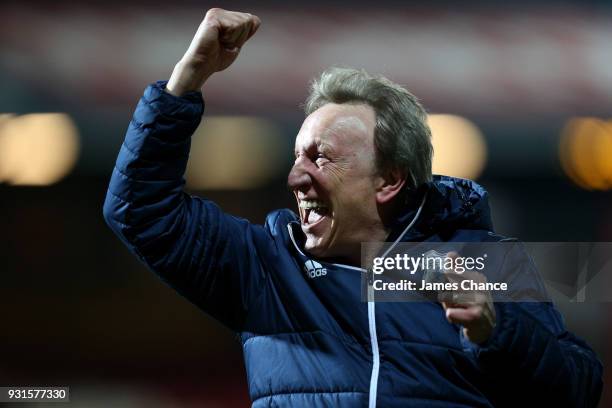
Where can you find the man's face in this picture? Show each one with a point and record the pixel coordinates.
(334, 180)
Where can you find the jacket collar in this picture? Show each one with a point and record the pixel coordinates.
(451, 204)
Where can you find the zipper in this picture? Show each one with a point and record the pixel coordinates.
(371, 306)
(375, 352)
(372, 316)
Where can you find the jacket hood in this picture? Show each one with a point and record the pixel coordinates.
(450, 204)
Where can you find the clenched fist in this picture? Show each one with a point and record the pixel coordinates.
(474, 310)
(214, 47)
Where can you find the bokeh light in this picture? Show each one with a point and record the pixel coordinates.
(37, 149)
(235, 153)
(459, 146)
(585, 150)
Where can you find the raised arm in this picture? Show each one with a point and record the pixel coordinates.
(189, 242)
(214, 47)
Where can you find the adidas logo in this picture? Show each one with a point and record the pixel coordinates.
(314, 269)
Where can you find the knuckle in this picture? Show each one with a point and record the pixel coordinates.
(216, 13)
(477, 312)
(211, 15)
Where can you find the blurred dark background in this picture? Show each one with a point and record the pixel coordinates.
(519, 96)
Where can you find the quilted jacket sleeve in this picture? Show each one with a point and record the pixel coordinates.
(532, 358)
(211, 258)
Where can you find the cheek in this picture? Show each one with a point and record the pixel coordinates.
(336, 173)
(355, 204)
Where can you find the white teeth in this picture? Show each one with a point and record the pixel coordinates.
(309, 204)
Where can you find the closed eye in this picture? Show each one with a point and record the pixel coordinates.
(321, 159)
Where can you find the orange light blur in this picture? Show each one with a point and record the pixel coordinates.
(585, 152)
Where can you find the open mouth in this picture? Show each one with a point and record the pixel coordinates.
(313, 211)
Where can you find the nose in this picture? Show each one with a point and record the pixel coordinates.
(299, 177)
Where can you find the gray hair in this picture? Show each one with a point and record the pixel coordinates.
(402, 138)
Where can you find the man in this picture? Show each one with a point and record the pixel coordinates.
(292, 288)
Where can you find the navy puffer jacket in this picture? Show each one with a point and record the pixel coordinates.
(308, 339)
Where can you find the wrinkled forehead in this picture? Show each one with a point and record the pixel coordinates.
(338, 125)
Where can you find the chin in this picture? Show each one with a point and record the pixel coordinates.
(314, 250)
(318, 249)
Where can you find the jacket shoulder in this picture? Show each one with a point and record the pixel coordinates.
(479, 235)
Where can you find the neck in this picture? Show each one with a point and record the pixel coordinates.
(352, 254)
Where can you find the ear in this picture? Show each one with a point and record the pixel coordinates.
(389, 186)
